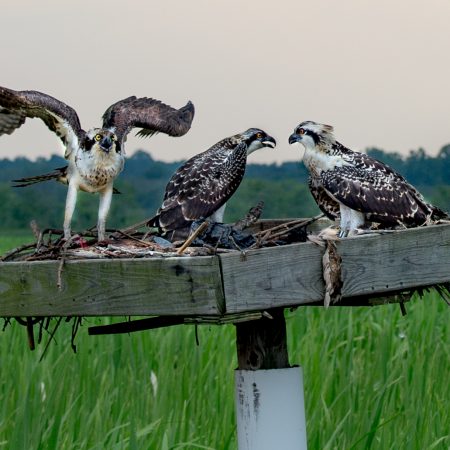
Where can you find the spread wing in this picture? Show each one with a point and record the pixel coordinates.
(370, 186)
(16, 106)
(152, 116)
(201, 186)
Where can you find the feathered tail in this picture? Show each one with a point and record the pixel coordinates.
(59, 174)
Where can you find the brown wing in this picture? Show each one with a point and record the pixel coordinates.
(201, 186)
(326, 204)
(16, 106)
(369, 186)
(151, 115)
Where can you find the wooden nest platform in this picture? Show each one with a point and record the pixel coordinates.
(133, 278)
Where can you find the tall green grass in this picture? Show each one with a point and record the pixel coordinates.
(373, 380)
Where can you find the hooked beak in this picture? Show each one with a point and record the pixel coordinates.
(106, 144)
(269, 141)
(294, 137)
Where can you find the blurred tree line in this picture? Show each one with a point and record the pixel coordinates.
(283, 188)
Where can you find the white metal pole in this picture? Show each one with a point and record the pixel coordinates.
(270, 409)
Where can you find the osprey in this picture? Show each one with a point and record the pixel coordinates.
(201, 187)
(356, 188)
(95, 157)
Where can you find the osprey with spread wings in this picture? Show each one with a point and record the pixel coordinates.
(96, 157)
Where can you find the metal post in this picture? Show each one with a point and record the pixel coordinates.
(268, 392)
(270, 409)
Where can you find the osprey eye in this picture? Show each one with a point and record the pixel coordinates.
(259, 135)
(301, 131)
(98, 137)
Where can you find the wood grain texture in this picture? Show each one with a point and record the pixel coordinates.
(166, 286)
(371, 265)
(262, 344)
(272, 277)
(396, 261)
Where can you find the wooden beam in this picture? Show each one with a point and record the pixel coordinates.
(261, 344)
(373, 265)
(272, 277)
(132, 326)
(256, 280)
(157, 286)
(395, 261)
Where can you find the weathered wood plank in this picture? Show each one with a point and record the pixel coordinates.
(371, 264)
(374, 265)
(272, 277)
(166, 286)
(396, 261)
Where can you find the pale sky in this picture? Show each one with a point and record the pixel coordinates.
(378, 71)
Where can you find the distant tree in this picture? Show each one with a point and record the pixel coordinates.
(283, 188)
(284, 198)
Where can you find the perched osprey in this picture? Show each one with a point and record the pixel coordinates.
(95, 157)
(356, 188)
(201, 187)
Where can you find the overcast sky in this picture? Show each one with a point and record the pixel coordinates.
(378, 71)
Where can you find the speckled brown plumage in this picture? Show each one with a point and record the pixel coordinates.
(204, 183)
(340, 177)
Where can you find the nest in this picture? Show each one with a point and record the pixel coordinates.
(203, 238)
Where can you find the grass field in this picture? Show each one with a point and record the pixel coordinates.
(11, 239)
(373, 380)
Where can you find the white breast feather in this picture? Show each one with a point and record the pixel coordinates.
(320, 161)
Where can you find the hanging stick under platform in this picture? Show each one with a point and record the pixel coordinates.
(136, 325)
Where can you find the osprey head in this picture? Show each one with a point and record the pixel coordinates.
(256, 139)
(311, 134)
(101, 139)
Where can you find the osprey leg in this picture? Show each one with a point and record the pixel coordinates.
(103, 209)
(71, 201)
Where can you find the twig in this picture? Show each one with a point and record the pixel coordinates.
(265, 235)
(30, 333)
(52, 336)
(48, 231)
(63, 260)
(75, 326)
(35, 228)
(134, 227)
(60, 269)
(16, 250)
(197, 341)
(299, 225)
(402, 308)
(289, 224)
(147, 244)
(189, 240)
